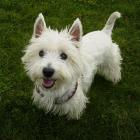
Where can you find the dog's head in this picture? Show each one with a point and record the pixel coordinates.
(52, 58)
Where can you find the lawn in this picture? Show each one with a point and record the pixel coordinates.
(114, 110)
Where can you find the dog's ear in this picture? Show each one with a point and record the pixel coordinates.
(39, 26)
(76, 30)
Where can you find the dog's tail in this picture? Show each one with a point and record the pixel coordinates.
(110, 22)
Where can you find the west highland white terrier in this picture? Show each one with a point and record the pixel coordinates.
(63, 64)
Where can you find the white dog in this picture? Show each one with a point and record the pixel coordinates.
(63, 64)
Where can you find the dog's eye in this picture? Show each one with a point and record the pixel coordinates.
(63, 56)
(41, 53)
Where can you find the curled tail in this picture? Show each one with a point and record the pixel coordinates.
(110, 22)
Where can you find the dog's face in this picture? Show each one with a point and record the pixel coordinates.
(52, 58)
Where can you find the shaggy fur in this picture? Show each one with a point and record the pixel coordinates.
(86, 55)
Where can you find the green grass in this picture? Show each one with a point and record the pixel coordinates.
(113, 112)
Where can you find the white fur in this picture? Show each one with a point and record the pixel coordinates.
(87, 55)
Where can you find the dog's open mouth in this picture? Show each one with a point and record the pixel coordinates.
(48, 83)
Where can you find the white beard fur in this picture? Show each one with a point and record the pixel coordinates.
(97, 53)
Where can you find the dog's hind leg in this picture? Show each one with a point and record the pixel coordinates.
(111, 68)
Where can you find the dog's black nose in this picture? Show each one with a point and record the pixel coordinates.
(48, 72)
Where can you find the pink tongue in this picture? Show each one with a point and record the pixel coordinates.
(48, 83)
